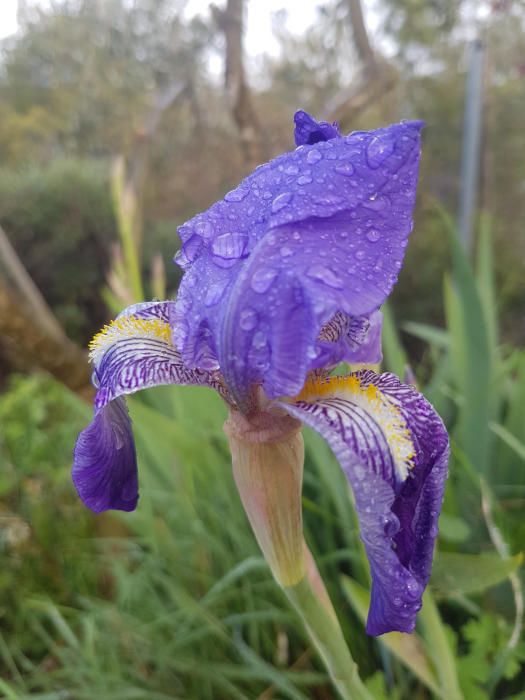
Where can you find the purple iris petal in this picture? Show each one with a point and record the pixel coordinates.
(133, 353)
(369, 352)
(105, 463)
(398, 516)
(354, 339)
(309, 131)
(318, 230)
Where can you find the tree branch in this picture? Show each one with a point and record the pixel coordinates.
(230, 21)
(377, 76)
(28, 289)
(29, 345)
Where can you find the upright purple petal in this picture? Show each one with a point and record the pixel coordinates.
(309, 131)
(322, 229)
(393, 448)
(133, 352)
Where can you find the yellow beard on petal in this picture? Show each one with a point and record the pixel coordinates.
(377, 405)
(124, 328)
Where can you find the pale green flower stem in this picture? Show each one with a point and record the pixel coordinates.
(328, 640)
(267, 461)
(311, 602)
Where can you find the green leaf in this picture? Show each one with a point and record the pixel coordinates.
(430, 334)
(409, 649)
(455, 573)
(395, 356)
(470, 353)
(452, 528)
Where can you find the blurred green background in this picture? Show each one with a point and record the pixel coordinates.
(120, 119)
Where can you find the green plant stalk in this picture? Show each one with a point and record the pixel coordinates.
(439, 649)
(324, 631)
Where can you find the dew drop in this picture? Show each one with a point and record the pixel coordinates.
(377, 203)
(230, 246)
(248, 319)
(346, 169)
(360, 254)
(286, 251)
(373, 235)
(296, 236)
(314, 156)
(378, 150)
(214, 293)
(259, 340)
(292, 170)
(189, 252)
(203, 229)
(304, 180)
(281, 201)
(236, 195)
(326, 275)
(262, 279)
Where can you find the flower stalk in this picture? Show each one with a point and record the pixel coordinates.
(267, 457)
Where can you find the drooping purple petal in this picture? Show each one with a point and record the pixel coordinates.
(393, 448)
(322, 228)
(105, 464)
(133, 352)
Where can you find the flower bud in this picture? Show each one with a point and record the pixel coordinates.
(268, 456)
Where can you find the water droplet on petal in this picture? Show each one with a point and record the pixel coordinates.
(360, 254)
(373, 235)
(204, 229)
(281, 201)
(326, 275)
(248, 319)
(236, 195)
(304, 180)
(262, 279)
(286, 251)
(413, 588)
(296, 236)
(259, 340)
(378, 150)
(229, 247)
(346, 169)
(313, 156)
(377, 203)
(189, 252)
(292, 170)
(214, 293)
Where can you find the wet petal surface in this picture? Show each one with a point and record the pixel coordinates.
(393, 448)
(322, 228)
(133, 352)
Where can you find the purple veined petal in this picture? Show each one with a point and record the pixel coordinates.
(133, 352)
(309, 131)
(334, 216)
(394, 450)
(353, 339)
(136, 352)
(369, 351)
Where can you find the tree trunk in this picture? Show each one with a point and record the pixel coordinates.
(230, 22)
(377, 75)
(28, 346)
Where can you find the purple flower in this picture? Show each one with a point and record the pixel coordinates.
(283, 279)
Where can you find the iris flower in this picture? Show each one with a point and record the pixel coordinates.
(283, 280)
